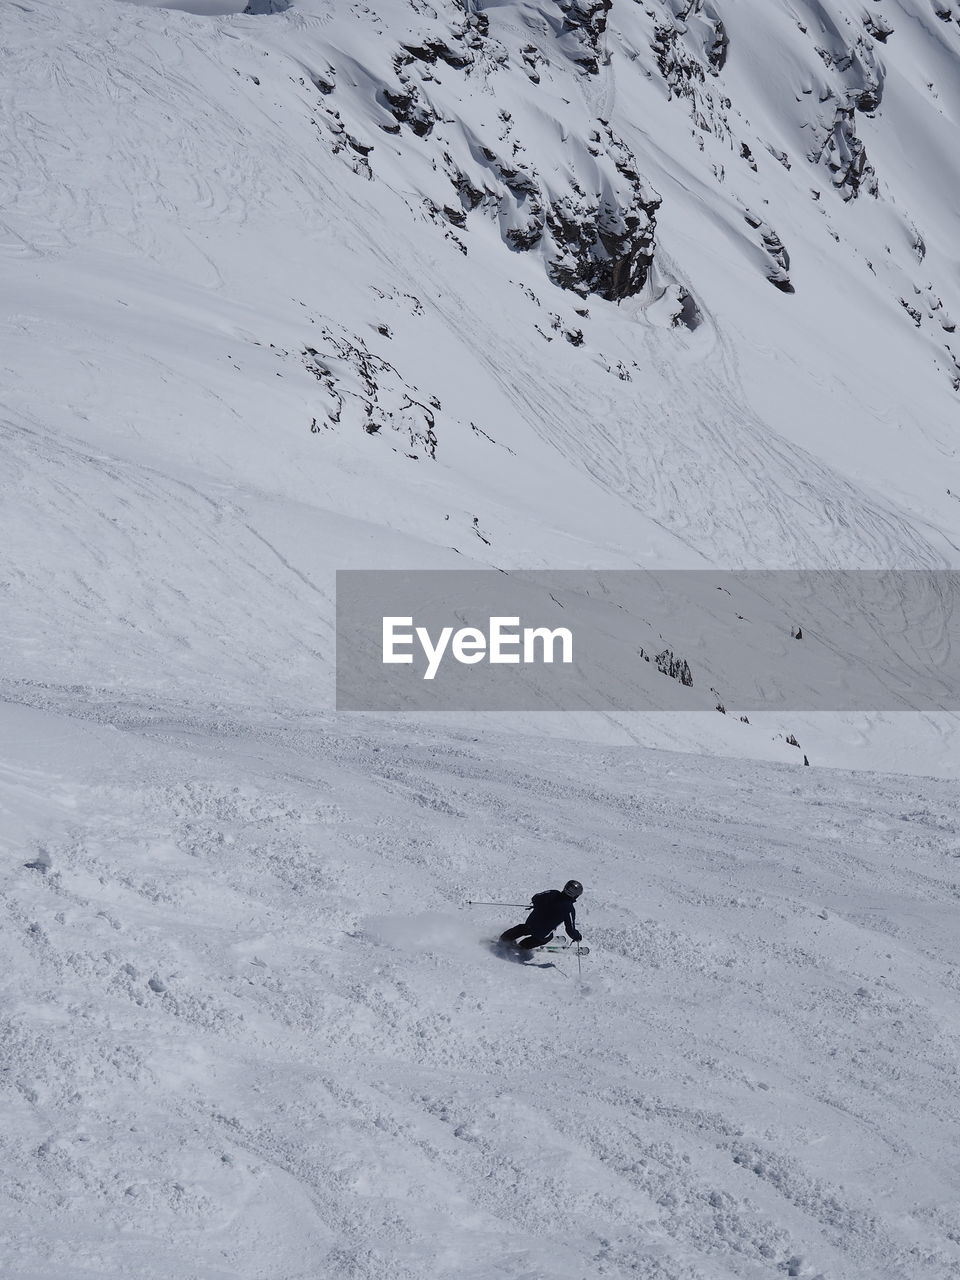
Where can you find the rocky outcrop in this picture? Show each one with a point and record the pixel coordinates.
(603, 246)
(408, 106)
(581, 205)
(843, 153)
(584, 25)
(838, 146)
(361, 390)
(778, 270)
(878, 27)
(593, 243)
(690, 51)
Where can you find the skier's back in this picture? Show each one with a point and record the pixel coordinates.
(551, 908)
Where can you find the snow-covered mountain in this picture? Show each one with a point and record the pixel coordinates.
(567, 284)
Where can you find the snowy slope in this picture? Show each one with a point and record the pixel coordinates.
(551, 283)
(250, 1030)
(221, 230)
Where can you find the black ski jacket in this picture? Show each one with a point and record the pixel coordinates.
(551, 909)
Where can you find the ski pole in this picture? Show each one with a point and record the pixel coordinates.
(524, 906)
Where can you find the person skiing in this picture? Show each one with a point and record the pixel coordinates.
(552, 908)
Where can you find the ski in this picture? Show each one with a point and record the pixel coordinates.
(511, 949)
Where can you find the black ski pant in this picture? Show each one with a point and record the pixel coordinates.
(529, 941)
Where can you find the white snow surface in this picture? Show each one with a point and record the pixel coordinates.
(250, 1029)
(252, 332)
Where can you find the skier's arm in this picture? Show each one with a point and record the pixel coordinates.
(570, 924)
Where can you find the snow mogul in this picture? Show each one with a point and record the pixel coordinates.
(551, 909)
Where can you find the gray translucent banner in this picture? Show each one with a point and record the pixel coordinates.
(631, 640)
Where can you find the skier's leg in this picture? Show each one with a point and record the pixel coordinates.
(511, 935)
(528, 944)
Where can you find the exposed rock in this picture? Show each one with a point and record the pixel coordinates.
(912, 312)
(602, 246)
(676, 668)
(845, 155)
(586, 22)
(599, 244)
(354, 149)
(878, 26)
(409, 107)
(717, 49)
(689, 51)
(360, 388)
(838, 146)
(773, 245)
(436, 50)
(532, 59)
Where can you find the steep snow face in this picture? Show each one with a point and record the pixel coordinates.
(534, 284)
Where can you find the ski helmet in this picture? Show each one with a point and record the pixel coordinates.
(573, 888)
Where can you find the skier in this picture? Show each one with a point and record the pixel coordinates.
(551, 908)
